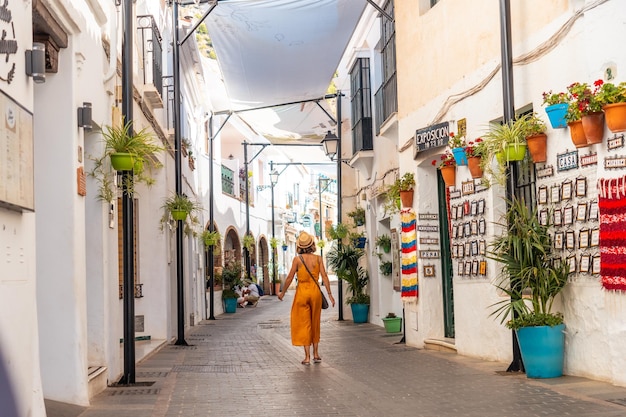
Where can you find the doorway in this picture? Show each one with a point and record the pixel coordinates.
(443, 201)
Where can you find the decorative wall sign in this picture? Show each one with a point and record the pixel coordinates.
(558, 240)
(429, 240)
(427, 228)
(593, 210)
(566, 161)
(467, 270)
(581, 212)
(545, 172)
(466, 208)
(434, 136)
(467, 187)
(480, 187)
(542, 195)
(474, 209)
(581, 187)
(482, 247)
(429, 271)
(461, 251)
(543, 217)
(429, 254)
(482, 226)
(428, 216)
(615, 143)
(587, 160)
(455, 194)
(557, 217)
(474, 227)
(482, 268)
(475, 267)
(566, 190)
(555, 194)
(583, 239)
(595, 237)
(568, 215)
(481, 206)
(595, 264)
(571, 260)
(570, 239)
(467, 229)
(474, 248)
(460, 268)
(615, 162)
(585, 261)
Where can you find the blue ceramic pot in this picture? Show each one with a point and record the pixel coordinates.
(230, 305)
(556, 114)
(459, 156)
(360, 312)
(542, 349)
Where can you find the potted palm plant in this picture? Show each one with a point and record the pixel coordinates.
(532, 277)
(344, 259)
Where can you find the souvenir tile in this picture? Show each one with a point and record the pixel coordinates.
(581, 212)
(482, 226)
(571, 260)
(429, 270)
(460, 268)
(481, 206)
(595, 237)
(474, 208)
(468, 249)
(542, 195)
(482, 268)
(585, 261)
(593, 211)
(543, 217)
(466, 208)
(474, 246)
(570, 239)
(595, 264)
(581, 187)
(558, 240)
(583, 239)
(557, 217)
(467, 229)
(474, 227)
(555, 194)
(566, 191)
(568, 215)
(482, 247)
(467, 268)
(461, 251)
(475, 267)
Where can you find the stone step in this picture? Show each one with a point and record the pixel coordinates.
(443, 345)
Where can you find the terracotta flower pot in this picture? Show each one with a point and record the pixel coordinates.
(449, 175)
(406, 197)
(615, 116)
(593, 125)
(473, 163)
(537, 147)
(577, 134)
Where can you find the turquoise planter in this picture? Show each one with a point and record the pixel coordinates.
(230, 305)
(360, 312)
(542, 350)
(556, 114)
(459, 156)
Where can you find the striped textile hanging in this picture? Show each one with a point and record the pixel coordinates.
(410, 287)
(612, 206)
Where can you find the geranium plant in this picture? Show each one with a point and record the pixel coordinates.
(446, 160)
(583, 100)
(456, 141)
(609, 93)
(550, 98)
(476, 148)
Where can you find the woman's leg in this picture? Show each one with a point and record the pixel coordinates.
(316, 355)
(307, 355)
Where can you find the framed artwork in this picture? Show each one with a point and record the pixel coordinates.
(571, 260)
(585, 262)
(455, 231)
(542, 195)
(583, 239)
(482, 226)
(481, 206)
(467, 229)
(595, 264)
(581, 212)
(566, 191)
(482, 247)
(429, 271)
(595, 237)
(555, 194)
(482, 268)
(474, 248)
(557, 217)
(593, 210)
(474, 227)
(467, 268)
(455, 251)
(568, 215)
(468, 249)
(581, 187)
(474, 208)
(460, 268)
(570, 239)
(453, 212)
(558, 240)
(543, 217)
(475, 267)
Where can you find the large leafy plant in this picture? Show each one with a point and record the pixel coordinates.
(531, 276)
(344, 259)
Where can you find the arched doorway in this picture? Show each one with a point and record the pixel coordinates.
(232, 246)
(264, 259)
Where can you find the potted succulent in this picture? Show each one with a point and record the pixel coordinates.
(475, 150)
(613, 100)
(384, 242)
(447, 166)
(457, 146)
(556, 108)
(344, 259)
(584, 114)
(386, 268)
(392, 323)
(358, 216)
(532, 277)
(535, 132)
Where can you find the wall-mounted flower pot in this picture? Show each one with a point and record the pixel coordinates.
(556, 113)
(473, 163)
(577, 134)
(593, 125)
(179, 215)
(514, 153)
(360, 242)
(406, 197)
(537, 147)
(122, 161)
(459, 156)
(615, 116)
(449, 175)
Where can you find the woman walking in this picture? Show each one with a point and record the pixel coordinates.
(306, 310)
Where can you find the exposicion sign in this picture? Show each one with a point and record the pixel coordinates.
(430, 137)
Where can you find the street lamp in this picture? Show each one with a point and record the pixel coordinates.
(330, 144)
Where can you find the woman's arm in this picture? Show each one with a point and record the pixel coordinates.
(294, 268)
(326, 281)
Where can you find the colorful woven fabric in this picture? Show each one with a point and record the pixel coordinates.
(612, 205)
(410, 288)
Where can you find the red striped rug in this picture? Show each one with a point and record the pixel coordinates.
(612, 205)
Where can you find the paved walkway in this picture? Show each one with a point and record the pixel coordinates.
(243, 364)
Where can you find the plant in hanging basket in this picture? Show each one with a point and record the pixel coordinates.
(180, 207)
(248, 242)
(358, 216)
(505, 142)
(386, 268)
(535, 132)
(392, 195)
(384, 242)
(613, 100)
(274, 242)
(211, 239)
(457, 145)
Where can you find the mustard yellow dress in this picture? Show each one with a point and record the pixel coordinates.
(306, 309)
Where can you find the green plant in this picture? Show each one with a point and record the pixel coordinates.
(475, 148)
(530, 271)
(583, 100)
(180, 202)
(231, 273)
(391, 316)
(229, 293)
(211, 239)
(384, 242)
(386, 268)
(550, 98)
(532, 124)
(338, 231)
(248, 242)
(344, 259)
(274, 242)
(357, 215)
(497, 140)
(610, 93)
(445, 160)
(456, 141)
(392, 195)
(321, 243)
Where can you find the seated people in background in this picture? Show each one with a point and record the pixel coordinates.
(252, 293)
(241, 299)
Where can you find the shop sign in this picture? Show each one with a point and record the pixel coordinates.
(429, 254)
(615, 143)
(615, 163)
(545, 172)
(591, 159)
(427, 228)
(431, 137)
(428, 216)
(429, 240)
(566, 161)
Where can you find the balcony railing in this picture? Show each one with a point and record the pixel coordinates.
(151, 52)
(362, 136)
(386, 101)
(228, 181)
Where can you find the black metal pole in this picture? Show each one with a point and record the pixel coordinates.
(245, 178)
(319, 189)
(517, 364)
(180, 293)
(339, 281)
(274, 269)
(211, 265)
(127, 203)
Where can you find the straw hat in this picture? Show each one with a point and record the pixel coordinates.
(305, 241)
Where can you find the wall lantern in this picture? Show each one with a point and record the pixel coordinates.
(84, 116)
(36, 62)
(329, 143)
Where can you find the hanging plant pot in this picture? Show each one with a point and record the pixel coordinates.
(179, 215)
(593, 125)
(515, 153)
(459, 156)
(556, 113)
(449, 175)
(406, 197)
(615, 115)
(122, 161)
(360, 242)
(473, 163)
(577, 134)
(537, 145)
